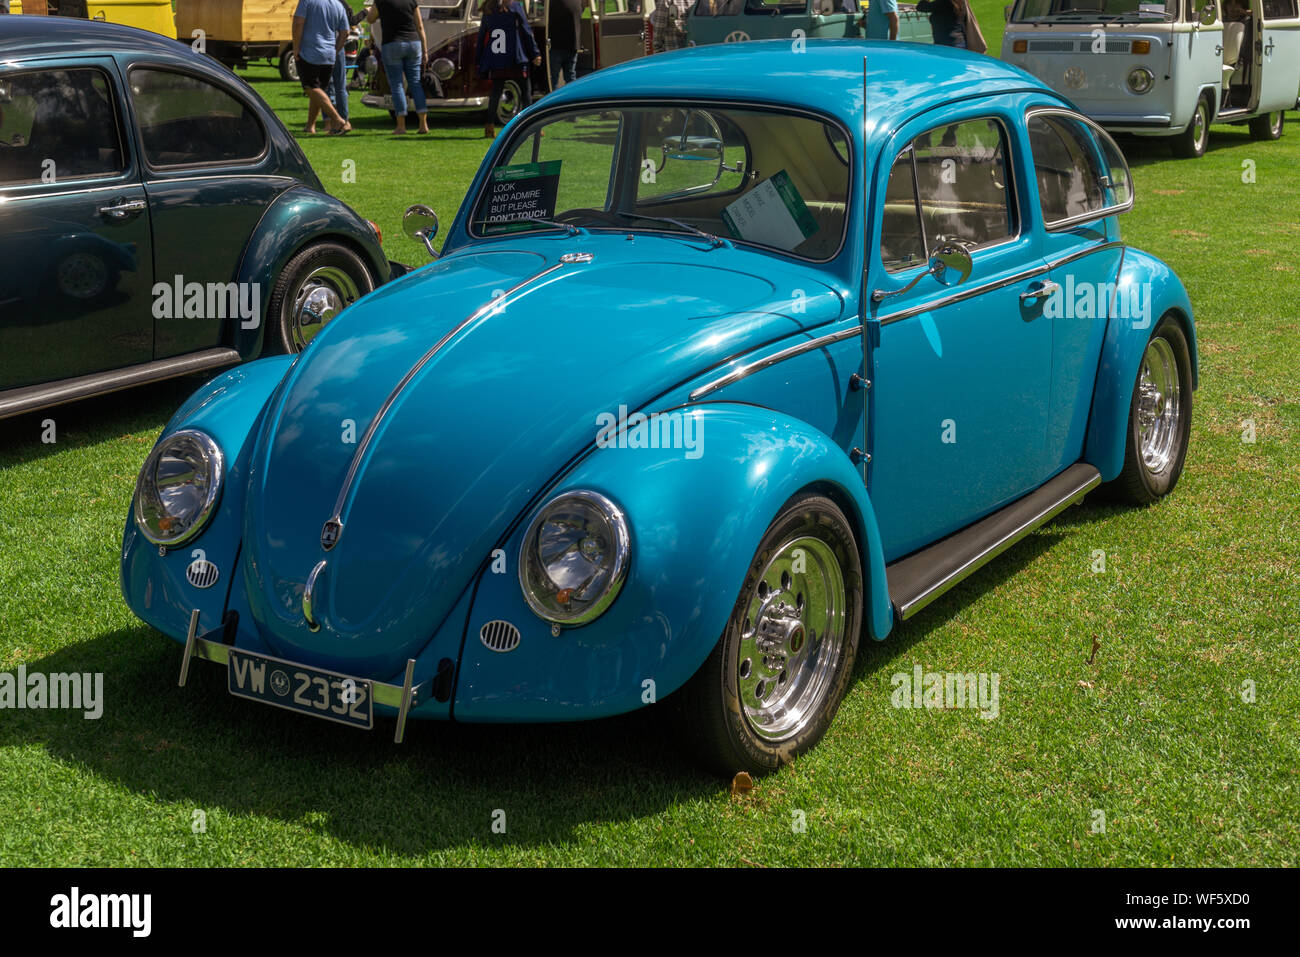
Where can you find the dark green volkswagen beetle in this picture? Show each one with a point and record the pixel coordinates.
(156, 218)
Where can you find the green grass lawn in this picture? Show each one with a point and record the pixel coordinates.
(1201, 594)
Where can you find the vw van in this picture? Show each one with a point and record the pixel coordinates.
(612, 31)
(730, 21)
(153, 15)
(1164, 68)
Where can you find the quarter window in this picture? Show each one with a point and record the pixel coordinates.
(1081, 173)
(57, 125)
(185, 121)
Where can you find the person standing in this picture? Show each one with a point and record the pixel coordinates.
(882, 20)
(402, 50)
(668, 25)
(506, 47)
(319, 32)
(338, 89)
(564, 29)
(947, 21)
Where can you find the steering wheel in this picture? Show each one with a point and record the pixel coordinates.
(600, 215)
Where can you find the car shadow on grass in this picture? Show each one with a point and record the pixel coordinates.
(202, 748)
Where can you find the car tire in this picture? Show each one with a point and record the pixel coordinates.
(288, 66)
(331, 273)
(754, 708)
(1268, 127)
(511, 102)
(1192, 142)
(1159, 418)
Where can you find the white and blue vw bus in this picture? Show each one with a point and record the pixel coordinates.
(1164, 68)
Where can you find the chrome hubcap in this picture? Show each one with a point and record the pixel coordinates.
(1198, 126)
(1160, 409)
(322, 296)
(791, 639)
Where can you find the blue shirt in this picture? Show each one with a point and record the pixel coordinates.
(878, 18)
(320, 34)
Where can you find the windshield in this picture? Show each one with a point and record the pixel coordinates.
(443, 9)
(761, 177)
(1094, 11)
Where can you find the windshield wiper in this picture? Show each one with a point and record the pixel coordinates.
(714, 241)
(569, 228)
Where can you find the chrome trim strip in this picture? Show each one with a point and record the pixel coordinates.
(363, 446)
(1079, 254)
(308, 596)
(1074, 494)
(740, 372)
(963, 295)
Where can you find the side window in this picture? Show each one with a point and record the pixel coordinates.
(961, 178)
(185, 121)
(1081, 174)
(1279, 9)
(57, 125)
(902, 242)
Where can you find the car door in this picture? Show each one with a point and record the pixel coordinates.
(75, 243)
(962, 371)
(620, 30)
(1277, 50)
(1080, 180)
(209, 177)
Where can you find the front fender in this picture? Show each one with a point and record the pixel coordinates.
(1127, 334)
(297, 217)
(154, 585)
(696, 523)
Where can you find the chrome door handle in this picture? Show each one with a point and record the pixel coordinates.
(1047, 289)
(123, 208)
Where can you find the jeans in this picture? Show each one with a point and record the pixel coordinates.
(563, 61)
(403, 59)
(338, 91)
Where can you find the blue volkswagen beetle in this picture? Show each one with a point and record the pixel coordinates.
(718, 373)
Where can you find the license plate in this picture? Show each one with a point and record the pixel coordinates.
(295, 687)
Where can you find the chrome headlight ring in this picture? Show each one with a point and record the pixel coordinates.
(178, 487)
(1140, 80)
(574, 557)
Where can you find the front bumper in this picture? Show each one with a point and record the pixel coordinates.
(216, 644)
(385, 102)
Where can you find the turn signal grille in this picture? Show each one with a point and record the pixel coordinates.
(499, 636)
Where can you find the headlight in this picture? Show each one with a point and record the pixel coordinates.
(178, 487)
(574, 557)
(1140, 79)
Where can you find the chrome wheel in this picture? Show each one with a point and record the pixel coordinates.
(1199, 127)
(1159, 411)
(326, 292)
(791, 639)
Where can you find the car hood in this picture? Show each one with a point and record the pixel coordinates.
(491, 367)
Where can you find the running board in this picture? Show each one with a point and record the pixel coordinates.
(923, 576)
(33, 397)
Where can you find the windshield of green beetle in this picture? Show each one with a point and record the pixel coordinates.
(768, 178)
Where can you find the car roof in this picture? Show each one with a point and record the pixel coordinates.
(903, 79)
(33, 36)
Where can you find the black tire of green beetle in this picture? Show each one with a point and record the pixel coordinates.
(1192, 142)
(711, 716)
(1268, 127)
(1139, 483)
(334, 263)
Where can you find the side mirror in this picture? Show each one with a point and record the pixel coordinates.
(950, 263)
(420, 222)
